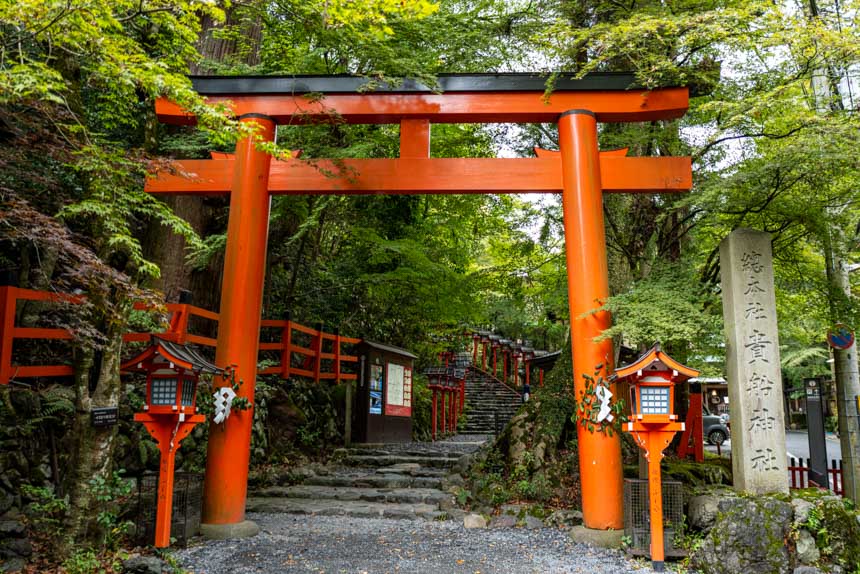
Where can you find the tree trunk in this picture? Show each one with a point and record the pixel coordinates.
(97, 384)
(846, 375)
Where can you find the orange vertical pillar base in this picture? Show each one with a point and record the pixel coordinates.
(226, 483)
(588, 286)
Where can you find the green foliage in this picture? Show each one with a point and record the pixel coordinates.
(588, 406)
(83, 561)
(669, 306)
(45, 516)
(111, 494)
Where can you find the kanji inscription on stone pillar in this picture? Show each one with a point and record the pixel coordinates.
(752, 363)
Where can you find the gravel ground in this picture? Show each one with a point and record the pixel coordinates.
(328, 544)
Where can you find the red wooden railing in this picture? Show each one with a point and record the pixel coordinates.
(798, 475)
(313, 362)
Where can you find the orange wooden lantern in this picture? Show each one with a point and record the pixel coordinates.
(172, 373)
(653, 424)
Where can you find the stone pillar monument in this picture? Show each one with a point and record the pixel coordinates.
(752, 359)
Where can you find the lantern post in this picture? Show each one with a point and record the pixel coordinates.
(653, 424)
(172, 373)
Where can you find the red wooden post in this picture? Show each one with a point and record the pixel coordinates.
(495, 361)
(318, 347)
(484, 356)
(442, 413)
(286, 354)
(179, 323)
(452, 411)
(462, 394)
(433, 411)
(474, 350)
(540, 374)
(505, 358)
(516, 372)
(8, 302)
(337, 355)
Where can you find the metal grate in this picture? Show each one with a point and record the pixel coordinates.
(637, 519)
(187, 503)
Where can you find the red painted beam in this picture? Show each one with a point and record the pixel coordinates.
(428, 176)
(450, 107)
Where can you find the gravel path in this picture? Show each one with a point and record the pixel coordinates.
(329, 544)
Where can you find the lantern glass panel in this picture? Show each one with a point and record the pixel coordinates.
(164, 391)
(655, 400)
(188, 388)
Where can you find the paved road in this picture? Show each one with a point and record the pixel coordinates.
(796, 443)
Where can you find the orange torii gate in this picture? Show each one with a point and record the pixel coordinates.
(578, 171)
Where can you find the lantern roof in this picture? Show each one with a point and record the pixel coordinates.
(164, 351)
(655, 359)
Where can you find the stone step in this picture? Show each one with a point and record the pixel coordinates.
(376, 481)
(351, 493)
(353, 509)
(430, 451)
(390, 460)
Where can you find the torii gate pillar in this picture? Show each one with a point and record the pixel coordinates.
(229, 449)
(587, 287)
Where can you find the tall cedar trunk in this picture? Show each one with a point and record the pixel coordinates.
(97, 384)
(205, 215)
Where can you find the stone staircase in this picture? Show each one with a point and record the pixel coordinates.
(376, 481)
(488, 402)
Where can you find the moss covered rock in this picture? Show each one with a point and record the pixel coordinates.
(749, 535)
(773, 534)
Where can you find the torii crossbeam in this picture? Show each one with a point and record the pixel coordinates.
(578, 171)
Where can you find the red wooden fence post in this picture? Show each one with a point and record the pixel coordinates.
(452, 410)
(318, 347)
(337, 356)
(484, 356)
(442, 411)
(495, 361)
(433, 411)
(287, 340)
(8, 300)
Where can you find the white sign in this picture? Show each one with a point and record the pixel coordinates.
(395, 384)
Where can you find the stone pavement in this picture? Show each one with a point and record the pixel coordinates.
(338, 544)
